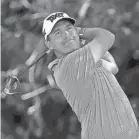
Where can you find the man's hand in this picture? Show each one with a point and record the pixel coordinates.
(81, 32)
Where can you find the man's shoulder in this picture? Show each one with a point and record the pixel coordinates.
(72, 61)
(52, 64)
(57, 65)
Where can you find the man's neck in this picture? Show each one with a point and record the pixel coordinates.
(59, 54)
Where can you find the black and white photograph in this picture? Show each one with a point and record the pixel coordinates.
(69, 69)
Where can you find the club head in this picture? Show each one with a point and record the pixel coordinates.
(12, 84)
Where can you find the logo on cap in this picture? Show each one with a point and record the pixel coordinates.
(53, 17)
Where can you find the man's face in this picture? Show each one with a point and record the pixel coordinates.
(64, 37)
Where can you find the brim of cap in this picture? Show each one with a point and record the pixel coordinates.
(68, 18)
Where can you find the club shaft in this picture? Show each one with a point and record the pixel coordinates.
(28, 67)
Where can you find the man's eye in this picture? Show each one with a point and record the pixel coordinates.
(57, 33)
(69, 27)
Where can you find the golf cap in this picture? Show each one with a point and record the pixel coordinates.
(50, 21)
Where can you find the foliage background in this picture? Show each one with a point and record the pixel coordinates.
(21, 23)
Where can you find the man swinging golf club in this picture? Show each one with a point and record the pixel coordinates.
(85, 74)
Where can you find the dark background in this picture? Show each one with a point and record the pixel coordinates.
(21, 23)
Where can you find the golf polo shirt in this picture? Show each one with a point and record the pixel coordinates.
(95, 96)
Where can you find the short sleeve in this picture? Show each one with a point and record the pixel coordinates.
(78, 65)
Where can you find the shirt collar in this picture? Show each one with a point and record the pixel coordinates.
(53, 63)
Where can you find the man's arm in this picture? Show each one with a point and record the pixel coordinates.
(109, 63)
(108, 57)
(100, 40)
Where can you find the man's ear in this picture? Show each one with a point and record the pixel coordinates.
(49, 45)
(78, 29)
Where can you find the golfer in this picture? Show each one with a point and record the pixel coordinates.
(85, 74)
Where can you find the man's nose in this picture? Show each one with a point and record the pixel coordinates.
(66, 34)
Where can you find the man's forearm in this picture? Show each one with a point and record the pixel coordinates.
(90, 33)
(110, 66)
(99, 41)
(109, 57)
(103, 36)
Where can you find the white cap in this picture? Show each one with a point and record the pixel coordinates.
(51, 20)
